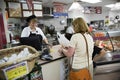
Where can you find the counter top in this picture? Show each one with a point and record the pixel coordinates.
(54, 53)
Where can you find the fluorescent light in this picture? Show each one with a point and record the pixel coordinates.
(91, 1)
(75, 6)
(115, 6)
(110, 5)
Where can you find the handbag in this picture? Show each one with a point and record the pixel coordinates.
(81, 74)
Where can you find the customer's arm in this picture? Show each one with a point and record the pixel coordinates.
(45, 40)
(99, 56)
(69, 51)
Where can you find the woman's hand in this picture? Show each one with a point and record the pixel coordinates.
(61, 50)
(50, 45)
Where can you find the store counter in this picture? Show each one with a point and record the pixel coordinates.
(55, 69)
(54, 53)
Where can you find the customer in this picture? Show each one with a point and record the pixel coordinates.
(98, 53)
(32, 29)
(77, 47)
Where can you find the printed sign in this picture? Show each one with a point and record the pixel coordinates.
(100, 36)
(16, 71)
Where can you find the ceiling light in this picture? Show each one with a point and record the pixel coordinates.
(115, 6)
(110, 5)
(91, 1)
(75, 6)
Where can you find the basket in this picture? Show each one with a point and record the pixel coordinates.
(16, 50)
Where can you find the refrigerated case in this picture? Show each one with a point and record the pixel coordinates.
(110, 41)
(110, 62)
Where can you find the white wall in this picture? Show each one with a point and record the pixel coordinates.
(88, 17)
(102, 16)
(55, 22)
(112, 15)
(75, 14)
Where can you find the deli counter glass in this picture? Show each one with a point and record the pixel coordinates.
(110, 41)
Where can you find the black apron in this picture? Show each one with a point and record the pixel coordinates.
(36, 41)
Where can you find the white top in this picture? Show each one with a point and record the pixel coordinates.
(26, 32)
(80, 56)
(70, 30)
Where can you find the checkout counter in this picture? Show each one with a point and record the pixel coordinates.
(55, 69)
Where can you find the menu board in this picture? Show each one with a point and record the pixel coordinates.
(21, 9)
(14, 9)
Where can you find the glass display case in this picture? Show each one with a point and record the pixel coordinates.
(110, 41)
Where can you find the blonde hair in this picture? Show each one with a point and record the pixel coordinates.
(80, 26)
(33, 20)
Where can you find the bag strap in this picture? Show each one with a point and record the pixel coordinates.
(86, 49)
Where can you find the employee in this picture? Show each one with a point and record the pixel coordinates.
(32, 29)
(69, 32)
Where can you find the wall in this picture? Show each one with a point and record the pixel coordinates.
(102, 16)
(88, 17)
(55, 22)
(14, 20)
(112, 15)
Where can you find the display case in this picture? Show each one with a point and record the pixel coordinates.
(110, 41)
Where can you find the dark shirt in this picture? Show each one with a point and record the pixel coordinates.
(68, 36)
(95, 51)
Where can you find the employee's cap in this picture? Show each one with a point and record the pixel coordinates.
(30, 18)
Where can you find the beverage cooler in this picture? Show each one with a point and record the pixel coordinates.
(109, 64)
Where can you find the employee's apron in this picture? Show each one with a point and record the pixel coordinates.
(37, 44)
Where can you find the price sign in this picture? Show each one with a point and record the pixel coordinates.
(16, 71)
